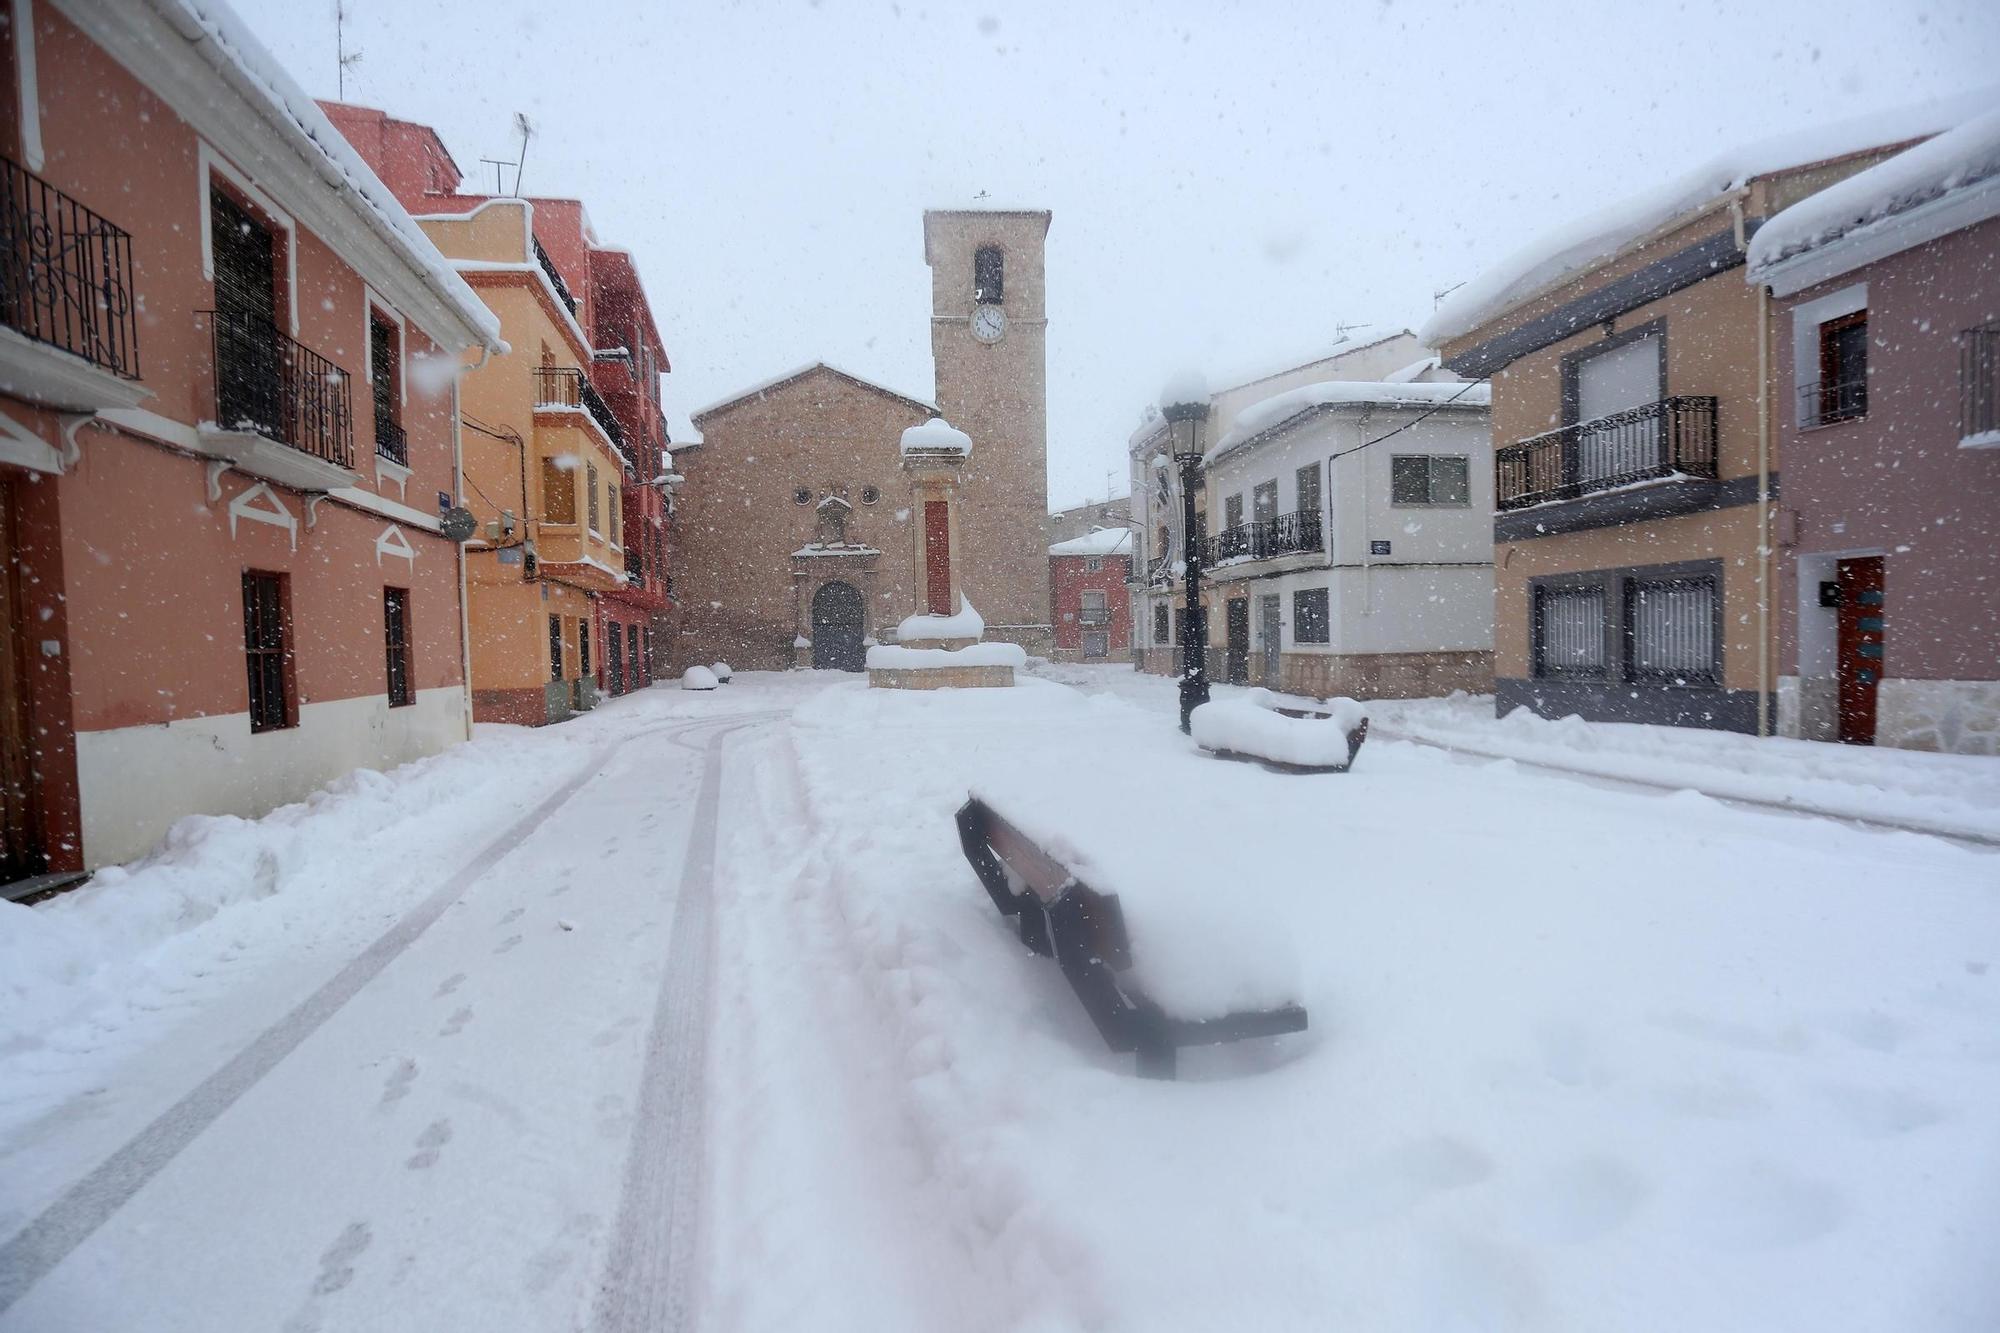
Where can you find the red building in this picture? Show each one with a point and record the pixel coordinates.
(1087, 596)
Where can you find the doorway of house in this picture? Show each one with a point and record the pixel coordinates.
(20, 851)
(1270, 635)
(1237, 631)
(836, 623)
(1859, 646)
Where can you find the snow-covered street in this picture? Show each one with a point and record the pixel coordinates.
(712, 1026)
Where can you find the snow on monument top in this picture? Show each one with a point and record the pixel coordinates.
(967, 624)
(936, 436)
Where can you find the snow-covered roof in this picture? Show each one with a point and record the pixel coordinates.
(1104, 541)
(1275, 411)
(257, 74)
(800, 372)
(1883, 198)
(937, 436)
(1564, 251)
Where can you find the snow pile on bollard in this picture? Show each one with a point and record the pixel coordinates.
(891, 656)
(698, 678)
(723, 672)
(1252, 725)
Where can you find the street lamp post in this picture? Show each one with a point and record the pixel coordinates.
(1187, 418)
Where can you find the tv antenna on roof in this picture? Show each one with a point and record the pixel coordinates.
(1341, 330)
(1437, 296)
(343, 58)
(518, 161)
(496, 163)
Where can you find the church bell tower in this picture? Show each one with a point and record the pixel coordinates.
(989, 347)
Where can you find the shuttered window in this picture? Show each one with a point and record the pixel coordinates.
(267, 651)
(396, 639)
(1569, 631)
(558, 491)
(1671, 625)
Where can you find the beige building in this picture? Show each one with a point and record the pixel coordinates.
(798, 523)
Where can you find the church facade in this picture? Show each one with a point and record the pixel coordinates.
(798, 524)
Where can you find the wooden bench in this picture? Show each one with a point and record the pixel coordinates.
(1084, 931)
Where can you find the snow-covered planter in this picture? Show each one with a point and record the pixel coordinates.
(723, 672)
(1283, 731)
(698, 678)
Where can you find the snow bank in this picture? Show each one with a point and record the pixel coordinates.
(1104, 541)
(1959, 157)
(1250, 726)
(1577, 245)
(698, 678)
(891, 656)
(936, 436)
(966, 623)
(1261, 416)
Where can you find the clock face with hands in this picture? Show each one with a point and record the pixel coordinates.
(989, 323)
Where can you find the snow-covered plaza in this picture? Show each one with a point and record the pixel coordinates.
(692, 1013)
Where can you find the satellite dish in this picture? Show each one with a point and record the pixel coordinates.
(457, 523)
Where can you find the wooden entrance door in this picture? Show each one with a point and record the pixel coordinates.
(1269, 631)
(20, 847)
(937, 557)
(836, 621)
(1237, 631)
(1860, 646)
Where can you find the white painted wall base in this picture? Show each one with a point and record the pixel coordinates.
(1952, 716)
(134, 782)
(1808, 708)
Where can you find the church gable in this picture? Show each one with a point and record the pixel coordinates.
(819, 376)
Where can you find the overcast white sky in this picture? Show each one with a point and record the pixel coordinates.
(1229, 182)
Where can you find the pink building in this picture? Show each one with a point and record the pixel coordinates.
(227, 432)
(1088, 599)
(1885, 346)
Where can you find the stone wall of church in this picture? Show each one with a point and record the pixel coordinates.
(739, 588)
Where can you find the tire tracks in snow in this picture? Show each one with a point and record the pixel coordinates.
(648, 1281)
(34, 1251)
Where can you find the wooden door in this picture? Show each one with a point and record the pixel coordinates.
(1860, 647)
(1271, 633)
(937, 557)
(20, 847)
(1237, 631)
(837, 613)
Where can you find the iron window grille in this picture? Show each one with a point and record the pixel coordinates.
(267, 650)
(66, 276)
(1841, 391)
(383, 361)
(1672, 631)
(1979, 381)
(1162, 628)
(396, 642)
(555, 648)
(1569, 632)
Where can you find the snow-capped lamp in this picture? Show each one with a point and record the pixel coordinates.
(1184, 404)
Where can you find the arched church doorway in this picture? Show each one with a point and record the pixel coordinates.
(836, 628)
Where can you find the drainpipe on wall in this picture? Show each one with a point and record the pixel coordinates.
(1763, 483)
(458, 487)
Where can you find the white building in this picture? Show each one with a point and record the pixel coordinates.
(1349, 509)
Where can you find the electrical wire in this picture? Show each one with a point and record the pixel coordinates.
(1419, 418)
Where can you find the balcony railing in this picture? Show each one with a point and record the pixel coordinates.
(1675, 436)
(565, 386)
(391, 440)
(1160, 571)
(555, 278)
(1823, 402)
(1261, 539)
(268, 383)
(66, 275)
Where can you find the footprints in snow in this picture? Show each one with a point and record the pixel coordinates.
(513, 916)
(507, 945)
(611, 1034)
(429, 1144)
(336, 1266)
(397, 1086)
(448, 985)
(456, 1023)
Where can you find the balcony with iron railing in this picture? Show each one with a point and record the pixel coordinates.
(1301, 532)
(66, 282)
(391, 440)
(270, 390)
(567, 387)
(1671, 437)
(549, 272)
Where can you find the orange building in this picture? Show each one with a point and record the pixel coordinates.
(564, 438)
(228, 370)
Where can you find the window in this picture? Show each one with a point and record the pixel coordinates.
(614, 657)
(802, 496)
(267, 651)
(1308, 481)
(1264, 502)
(617, 515)
(1979, 384)
(396, 640)
(1232, 511)
(558, 490)
(1569, 631)
(1309, 616)
(1841, 393)
(583, 648)
(1429, 479)
(1094, 610)
(1093, 565)
(385, 361)
(1166, 546)
(1671, 624)
(555, 648)
(988, 270)
(590, 492)
(870, 494)
(1162, 632)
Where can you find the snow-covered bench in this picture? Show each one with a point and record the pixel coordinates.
(1084, 930)
(1285, 732)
